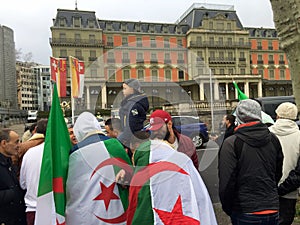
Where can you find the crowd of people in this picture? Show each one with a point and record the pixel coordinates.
(137, 175)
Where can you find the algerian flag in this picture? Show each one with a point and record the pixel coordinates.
(93, 197)
(167, 189)
(241, 95)
(51, 200)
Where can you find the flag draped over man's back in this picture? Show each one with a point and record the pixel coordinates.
(51, 192)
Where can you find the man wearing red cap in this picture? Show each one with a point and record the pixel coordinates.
(161, 126)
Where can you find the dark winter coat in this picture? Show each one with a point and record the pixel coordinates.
(249, 172)
(132, 114)
(12, 206)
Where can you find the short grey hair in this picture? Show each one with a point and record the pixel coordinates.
(4, 134)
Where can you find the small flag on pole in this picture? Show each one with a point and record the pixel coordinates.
(81, 78)
(51, 201)
(74, 66)
(59, 75)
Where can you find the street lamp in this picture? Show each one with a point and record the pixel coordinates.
(211, 103)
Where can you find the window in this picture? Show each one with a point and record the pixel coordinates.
(140, 74)
(179, 42)
(152, 42)
(212, 54)
(77, 37)
(91, 24)
(92, 38)
(110, 41)
(168, 75)
(111, 75)
(241, 41)
(220, 40)
(259, 45)
(211, 25)
(78, 53)
(76, 22)
(222, 71)
(281, 58)
(243, 71)
(221, 55)
(140, 56)
(153, 56)
(93, 53)
(124, 41)
(180, 56)
(242, 55)
(229, 26)
(63, 53)
(230, 55)
(198, 40)
(62, 22)
(271, 74)
(180, 75)
(270, 45)
(229, 40)
(230, 71)
(126, 74)
(282, 75)
(154, 75)
(62, 37)
(270, 57)
(125, 55)
(139, 42)
(167, 55)
(261, 72)
(211, 40)
(111, 55)
(166, 43)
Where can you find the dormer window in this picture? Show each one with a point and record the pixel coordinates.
(76, 22)
(91, 24)
(108, 26)
(62, 22)
(123, 27)
(151, 28)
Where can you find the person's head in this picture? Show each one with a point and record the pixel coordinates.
(248, 110)
(287, 110)
(131, 86)
(32, 128)
(113, 127)
(86, 124)
(72, 135)
(9, 142)
(41, 126)
(159, 120)
(229, 120)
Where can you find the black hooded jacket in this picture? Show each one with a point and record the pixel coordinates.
(132, 114)
(248, 176)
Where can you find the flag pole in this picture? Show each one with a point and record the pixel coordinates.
(72, 98)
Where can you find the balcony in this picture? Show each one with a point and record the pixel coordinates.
(167, 61)
(109, 44)
(217, 44)
(260, 62)
(140, 61)
(281, 62)
(125, 60)
(221, 60)
(242, 59)
(111, 60)
(91, 59)
(180, 61)
(75, 42)
(271, 61)
(153, 61)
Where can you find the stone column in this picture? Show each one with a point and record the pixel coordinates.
(201, 94)
(88, 99)
(216, 90)
(227, 91)
(259, 89)
(104, 97)
(246, 88)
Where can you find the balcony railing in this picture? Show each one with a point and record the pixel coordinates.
(217, 44)
(221, 60)
(180, 61)
(125, 60)
(76, 42)
(167, 61)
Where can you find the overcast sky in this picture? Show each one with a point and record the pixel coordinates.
(31, 19)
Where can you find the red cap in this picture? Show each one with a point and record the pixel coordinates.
(158, 118)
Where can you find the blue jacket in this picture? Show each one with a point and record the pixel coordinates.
(132, 114)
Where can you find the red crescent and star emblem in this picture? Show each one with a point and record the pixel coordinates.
(176, 217)
(107, 193)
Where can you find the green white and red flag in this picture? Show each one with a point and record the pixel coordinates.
(93, 196)
(51, 201)
(167, 189)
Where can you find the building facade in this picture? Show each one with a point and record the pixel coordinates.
(8, 82)
(44, 93)
(196, 58)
